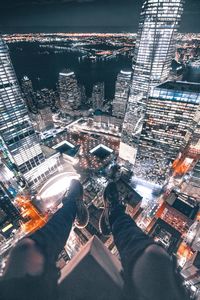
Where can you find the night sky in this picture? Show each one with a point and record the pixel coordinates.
(82, 15)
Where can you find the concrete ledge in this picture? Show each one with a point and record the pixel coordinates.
(94, 273)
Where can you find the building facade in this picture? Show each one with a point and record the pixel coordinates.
(169, 118)
(70, 94)
(122, 89)
(98, 96)
(9, 214)
(45, 119)
(19, 141)
(27, 89)
(187, 163)
(155, 48)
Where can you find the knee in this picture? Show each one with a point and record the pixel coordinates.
(24, 246)
(22, 250)
(153, 273)
(158, 259)
(157, 251)
(26, 258)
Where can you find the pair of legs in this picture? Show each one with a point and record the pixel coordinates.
(147, 268)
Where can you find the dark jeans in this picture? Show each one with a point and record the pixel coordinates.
(130, 241)
(16, 283)
(51, 239)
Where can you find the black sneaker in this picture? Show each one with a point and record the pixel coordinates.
(111, 201)
(76, 192)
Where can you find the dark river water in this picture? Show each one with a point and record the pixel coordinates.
(42, 66)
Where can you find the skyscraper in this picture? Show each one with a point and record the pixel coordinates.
(155, 47)
(43, 120)
(168, 120)
(28, 92)
(83, 95)
(98, 95)
(122, 89)
(9, 214)
(188, 160)
(70, 94)
(18, 138)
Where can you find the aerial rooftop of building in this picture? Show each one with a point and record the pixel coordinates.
(101, 151)
(66, 148)
(66, 72)
(181, 86)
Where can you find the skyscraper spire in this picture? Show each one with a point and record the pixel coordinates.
(155, 47)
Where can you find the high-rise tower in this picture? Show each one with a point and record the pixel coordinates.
(98, 95)
(121, 94)
(28, 92)
(9, 214)
(70, 94)
(155, 47)
(18, 138)
(169, 118)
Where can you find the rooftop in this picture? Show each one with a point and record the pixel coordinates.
(66, 148)
(94, 273)
(183, 86)
(101, 151)
(126, 72)
(66, 72)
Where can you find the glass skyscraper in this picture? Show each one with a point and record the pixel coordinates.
(70, 94)
(18, 139)
(122, 88)
(98, 95)
(155, 47)
(169, 118)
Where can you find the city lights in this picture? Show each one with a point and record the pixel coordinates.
(52, 192)
(102, 107)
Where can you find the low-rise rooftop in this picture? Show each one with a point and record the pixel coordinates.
(101, 151)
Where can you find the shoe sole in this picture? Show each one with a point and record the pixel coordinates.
(101, 221)
(87, 217)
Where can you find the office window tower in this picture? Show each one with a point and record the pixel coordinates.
(18, 138)
(155, 47)
(27, 89)
(121, 94)
(9, 214)
(98, 95)
(188, 160)
(70, 94)
(169, 118)
(45, 119)
(15, 127)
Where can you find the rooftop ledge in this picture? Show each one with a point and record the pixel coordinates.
(94, 273)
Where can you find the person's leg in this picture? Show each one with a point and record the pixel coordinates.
(148, 269)
(129, 239)
(46, 243)
(25, 259)
(53, 236)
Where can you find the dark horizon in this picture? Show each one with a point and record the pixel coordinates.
(66, 29)
(83, 16)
